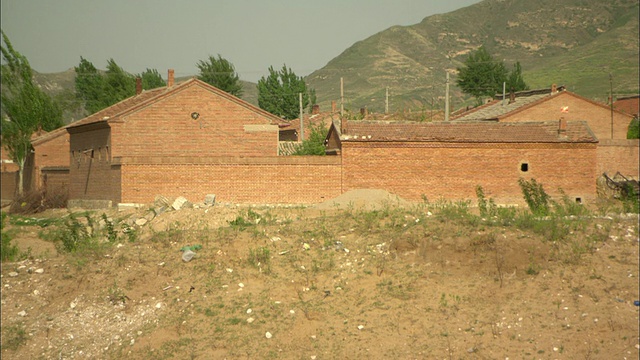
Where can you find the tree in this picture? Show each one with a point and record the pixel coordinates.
(314, 145)
(515, 81)
(151, 79)
(24, 106)
(90, 86)
(278, 93)
(119, 84)
(482, 75)
(221, 74)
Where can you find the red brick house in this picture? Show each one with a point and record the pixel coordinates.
(615, 153)
(158, 141)
(628, 105)
(447, 160)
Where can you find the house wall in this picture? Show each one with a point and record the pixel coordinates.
(8, 180)
(295, 180)
(598, 117)
(166, 128)
(93, 172)
(51, 153)
(619, 155)
(452, 171)
(55, 180)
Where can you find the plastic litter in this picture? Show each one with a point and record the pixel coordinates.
(188, 255)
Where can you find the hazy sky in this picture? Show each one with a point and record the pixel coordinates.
(162, 34)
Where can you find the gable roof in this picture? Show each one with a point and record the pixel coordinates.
(148, 97)
(628, 104)
(498, 109)
(47, 136)
(470, 132)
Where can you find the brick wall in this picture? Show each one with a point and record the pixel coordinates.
(51, 153)
(55, 179)
(449, 171)
(166, 128)
(8, 179)
(598, 117)
(94, 173)
(619, 155)
(296, 180)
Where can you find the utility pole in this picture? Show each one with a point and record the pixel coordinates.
(301, 118)
(446, 100)
(611, 100)
(504, 91)
(386, 102)
(341, 97)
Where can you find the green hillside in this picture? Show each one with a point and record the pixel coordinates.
(575, 43)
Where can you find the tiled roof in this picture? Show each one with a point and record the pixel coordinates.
(496, 108)
(469, 132)
(324, 118)
(46, 136)
(628, 105)
(286, 148)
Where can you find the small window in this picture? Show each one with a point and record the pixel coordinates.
(524, 167)
(579, 200)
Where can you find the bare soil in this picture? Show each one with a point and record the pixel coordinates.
(363, 276)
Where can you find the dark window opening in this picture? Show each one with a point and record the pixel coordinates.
(579, 200)
(524, 167)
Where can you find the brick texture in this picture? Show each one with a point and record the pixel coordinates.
(299, 180)
(450, 172)
(619, 156)
(597, 116)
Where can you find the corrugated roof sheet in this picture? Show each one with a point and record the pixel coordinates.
(522, 132)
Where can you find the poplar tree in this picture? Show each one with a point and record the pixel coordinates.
(24, 106)
(278, 93)
(220, 73)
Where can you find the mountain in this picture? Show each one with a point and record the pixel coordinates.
(576, 43)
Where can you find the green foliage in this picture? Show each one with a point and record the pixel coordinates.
(535, 196)
(8, 251)
(630, 199)
(634, 129)
(487, 208)
(151, 79)
(314, 145)
(24, 107)
(119, 84)
(74, 234)
(90, 86)
(100, 90)
(220, 73)
(481, 75)
(14, 337)
(515, 81)
(278, 93)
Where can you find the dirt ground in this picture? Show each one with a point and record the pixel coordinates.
(363, 276)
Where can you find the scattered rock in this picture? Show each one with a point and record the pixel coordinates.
(180, 203)
(210, 199)
(13, 274)
(22, 313)
(250, 320)
(188, 255)
(268, 335)
(141, 221)
(161, 202)
(39, 271)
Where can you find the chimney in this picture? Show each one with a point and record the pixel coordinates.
(343, 125)
(138, 86)
(315, 109)
(562, 127)
(333, 106)
(170, 78)
(554, 88)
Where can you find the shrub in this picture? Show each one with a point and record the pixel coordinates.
(634, 129)
(32, 202)
(8, 251)
(535, 196)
